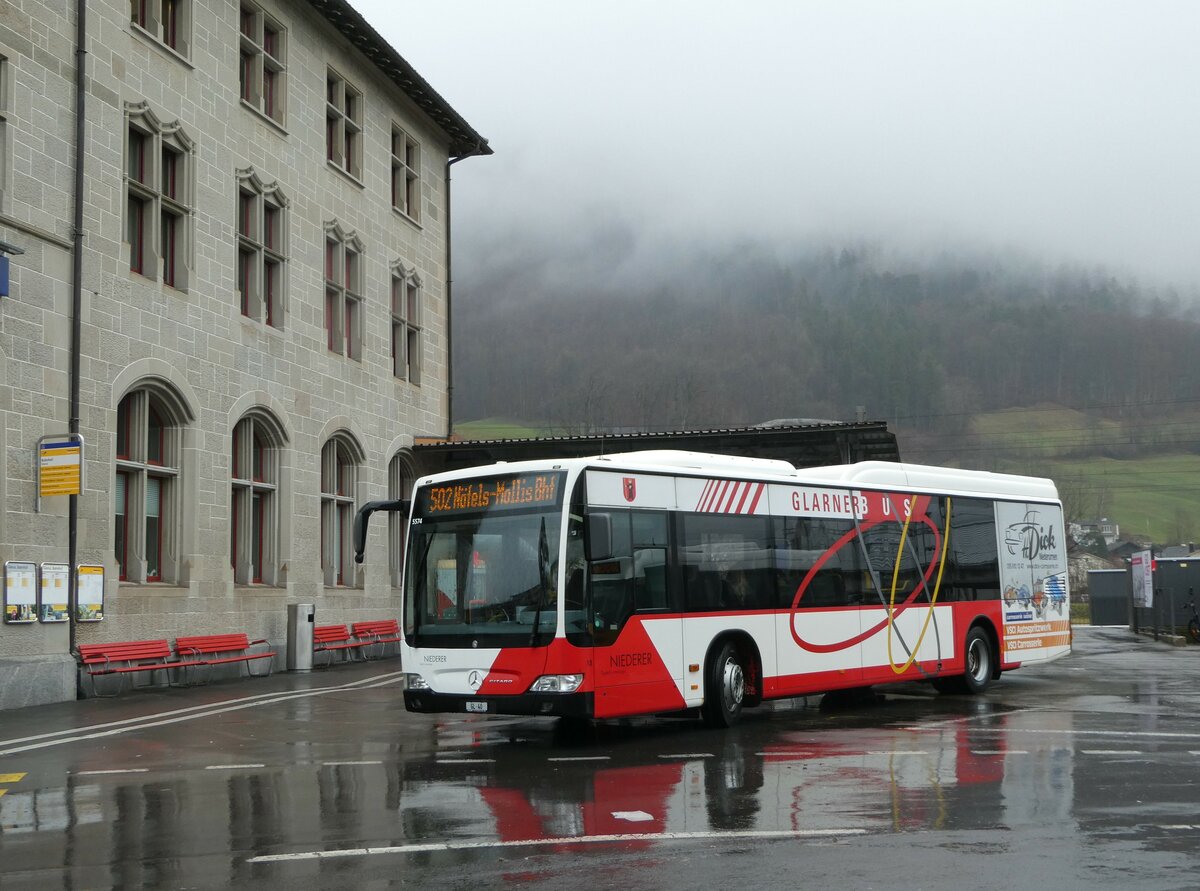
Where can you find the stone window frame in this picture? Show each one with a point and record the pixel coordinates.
(406, 173)
(342, 459)
(407, 306)
(168, 23)
(257, 446)
(159, 180)
(343, 124)
(149, 457)
(344, 305)
(261, 263)
(262, 63)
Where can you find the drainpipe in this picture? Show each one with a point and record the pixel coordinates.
(449, 304)
(76, 301)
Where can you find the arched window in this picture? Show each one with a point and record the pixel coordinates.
(255, 499)
(146, 492)
(340, 458)
(400, 484)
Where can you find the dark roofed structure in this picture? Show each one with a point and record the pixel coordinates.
(804, 445)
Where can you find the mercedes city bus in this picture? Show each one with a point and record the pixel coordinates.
(662, 581)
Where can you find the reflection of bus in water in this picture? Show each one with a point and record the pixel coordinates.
(962, 776)
(668, 581)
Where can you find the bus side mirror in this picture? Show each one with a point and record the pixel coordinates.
(599, 537)
(363, 517)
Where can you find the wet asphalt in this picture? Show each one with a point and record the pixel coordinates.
(1080, 774)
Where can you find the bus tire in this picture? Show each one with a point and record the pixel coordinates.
(724, 688)
(978, 661)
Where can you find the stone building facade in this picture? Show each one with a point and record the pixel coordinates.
(264, 310)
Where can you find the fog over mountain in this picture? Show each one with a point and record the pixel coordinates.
(1062, 130)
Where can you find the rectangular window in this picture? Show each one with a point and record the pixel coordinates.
(257, 510)
(120, 494)
(169, 247)
(406, 185)
(261, 225)
(154, 488)
(727, 562)
(167, 21)
(343, 295)
(158, 195)
(263, 68)
(136, 219)
(343, 124)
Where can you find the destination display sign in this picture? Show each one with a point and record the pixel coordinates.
(518, 492)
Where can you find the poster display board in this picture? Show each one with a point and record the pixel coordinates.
(1033, 580)
(89, 588)
(1142, 564)
(20, 592)
(52, 604)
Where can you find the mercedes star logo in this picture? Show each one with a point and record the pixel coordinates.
(474, 679)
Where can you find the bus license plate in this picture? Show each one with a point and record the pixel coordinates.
(477, 706)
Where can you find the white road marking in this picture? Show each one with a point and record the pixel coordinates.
(348, 763)
(98, 773)
(584, 758)
(234, 766)
(574, 840)
(999, 752)
(691, 755)
(1110, 752)
(897, 753)
(186, 714)
(1184, 826)
(632, 816)
(466, 761)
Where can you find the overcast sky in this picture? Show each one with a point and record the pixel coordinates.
(1067, 129)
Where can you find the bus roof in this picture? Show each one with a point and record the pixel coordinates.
(865, 475)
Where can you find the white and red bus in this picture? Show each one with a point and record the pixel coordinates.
(663, 581)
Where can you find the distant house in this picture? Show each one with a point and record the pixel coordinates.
(1107, 529)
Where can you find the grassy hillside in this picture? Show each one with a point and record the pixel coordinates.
(1158, 496)
(496, 428)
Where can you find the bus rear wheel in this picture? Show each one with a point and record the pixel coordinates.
(724, 688)
(979, 661)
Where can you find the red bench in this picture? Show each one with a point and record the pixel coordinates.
(380, 631)
(207, 650)
(124, 659)
(333, 639)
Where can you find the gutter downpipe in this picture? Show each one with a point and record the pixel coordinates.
(449, 306)
(76, 301)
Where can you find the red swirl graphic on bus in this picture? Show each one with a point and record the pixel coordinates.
(876, 517)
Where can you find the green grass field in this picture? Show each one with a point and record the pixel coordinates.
(496, 428)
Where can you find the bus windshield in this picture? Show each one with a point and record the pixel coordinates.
(483, 571)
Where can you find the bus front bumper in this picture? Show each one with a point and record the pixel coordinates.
(563, 705)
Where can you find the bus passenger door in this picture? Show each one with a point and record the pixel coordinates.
(636, 631)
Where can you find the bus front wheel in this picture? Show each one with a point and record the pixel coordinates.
(724, 688)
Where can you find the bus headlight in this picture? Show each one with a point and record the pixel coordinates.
(557, 683)
(416, 682)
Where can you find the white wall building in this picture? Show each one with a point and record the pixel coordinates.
(264, 310)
